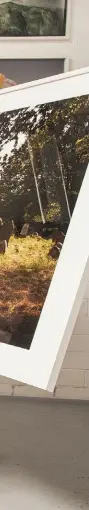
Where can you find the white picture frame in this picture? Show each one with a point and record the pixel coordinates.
(39, 47)
(41, 365)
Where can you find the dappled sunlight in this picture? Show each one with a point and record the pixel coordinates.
(29, 253)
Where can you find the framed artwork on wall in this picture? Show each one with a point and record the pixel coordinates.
(32, 18)
(44, 247)
(35, 29)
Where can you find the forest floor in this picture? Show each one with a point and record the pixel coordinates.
(25, 275)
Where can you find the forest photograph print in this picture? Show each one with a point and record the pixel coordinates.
(44, 153)
(33, 18)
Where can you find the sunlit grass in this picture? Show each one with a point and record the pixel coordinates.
(25, 274)
(30, 253)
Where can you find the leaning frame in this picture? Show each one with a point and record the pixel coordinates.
(41, 365)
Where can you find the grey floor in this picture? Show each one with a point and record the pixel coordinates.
(44, 454)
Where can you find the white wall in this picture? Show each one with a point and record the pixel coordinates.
(79, 34)
(73, 380)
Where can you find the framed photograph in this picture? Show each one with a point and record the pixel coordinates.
(32, 18)
(44, 207)
(37, 29)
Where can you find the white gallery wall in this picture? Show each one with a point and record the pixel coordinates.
(79, 34)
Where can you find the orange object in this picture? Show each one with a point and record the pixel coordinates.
(6, 82)
(2, 77)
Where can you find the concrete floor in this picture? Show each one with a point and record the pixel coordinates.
(44, 454)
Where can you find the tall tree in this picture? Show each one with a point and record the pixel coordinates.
(68, 121)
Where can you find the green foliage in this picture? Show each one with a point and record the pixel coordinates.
(68, 120)
(53, 211)
(82, 148)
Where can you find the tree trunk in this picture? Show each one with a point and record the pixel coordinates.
(35, 179)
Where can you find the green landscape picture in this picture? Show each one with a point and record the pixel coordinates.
(18, 19)
(44, 153)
